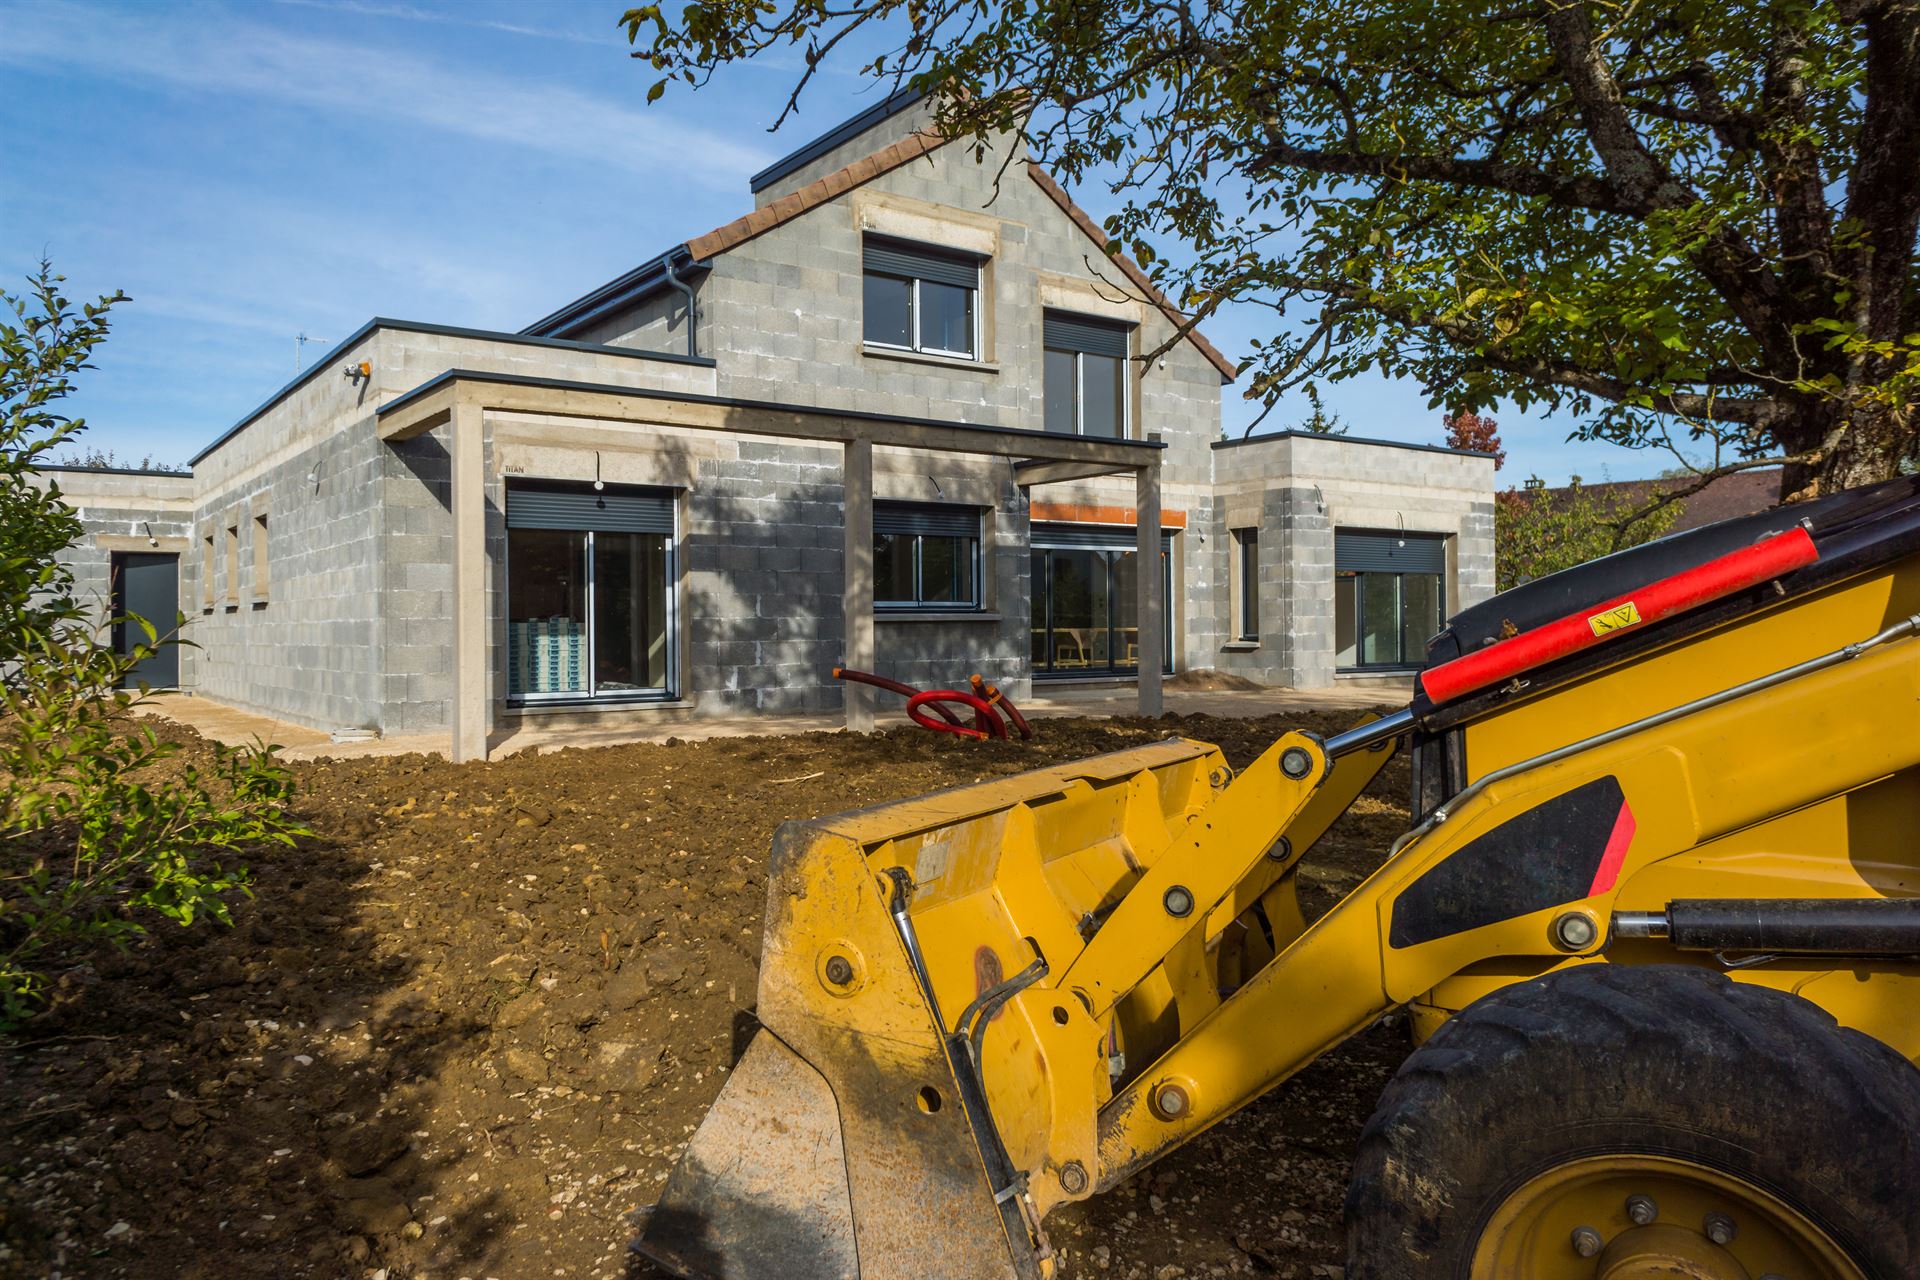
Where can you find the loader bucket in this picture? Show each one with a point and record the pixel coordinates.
(859, 1136)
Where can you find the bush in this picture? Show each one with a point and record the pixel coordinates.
(102, 830)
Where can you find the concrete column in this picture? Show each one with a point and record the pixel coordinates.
(1151, 606)
(856, 472)
(472, 697)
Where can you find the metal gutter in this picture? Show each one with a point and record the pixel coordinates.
(636, 285)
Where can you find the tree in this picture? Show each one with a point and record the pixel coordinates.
(1540, 531)
(1691, 224)
(94, 457)
(1469, 430)
(96, 840)
(1318, 420)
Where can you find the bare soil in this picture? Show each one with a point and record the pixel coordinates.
(465, 1030)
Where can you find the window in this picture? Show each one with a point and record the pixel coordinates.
(1246, 545)
(233, 565)
(1085, 593)
(260, 556)
(1085, 374)
(206, 573)
(925, 556)
(921, 299)
(1389, 598)
(589, 593)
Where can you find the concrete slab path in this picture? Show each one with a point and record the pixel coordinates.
(298, 742)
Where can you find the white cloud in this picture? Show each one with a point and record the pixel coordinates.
(455, 18)
(210, 52)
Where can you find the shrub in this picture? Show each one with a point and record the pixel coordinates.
(102, 830)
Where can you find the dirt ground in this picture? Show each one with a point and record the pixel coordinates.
(466, 1028)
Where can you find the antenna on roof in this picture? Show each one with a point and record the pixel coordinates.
(300, 341)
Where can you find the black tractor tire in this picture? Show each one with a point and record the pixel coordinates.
(1656, 1060)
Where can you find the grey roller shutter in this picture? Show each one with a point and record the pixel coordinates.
(1358, 552)
(1067, 332)
(1088, 537)
(934, 520)
(582, 509)
(898, 258)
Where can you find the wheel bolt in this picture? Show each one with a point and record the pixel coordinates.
(1587, 1242)
(1642, 1210)
(1720, 1229)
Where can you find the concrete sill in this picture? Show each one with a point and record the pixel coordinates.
(1240, 646)
(923, 357)
(931, 615)
(592, 707)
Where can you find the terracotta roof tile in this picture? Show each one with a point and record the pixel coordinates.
(814, 194)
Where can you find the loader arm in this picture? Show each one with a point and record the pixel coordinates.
(984, 1003)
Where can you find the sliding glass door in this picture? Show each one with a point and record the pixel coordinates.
(1086, 602)
(1389, 598)
(589, 593)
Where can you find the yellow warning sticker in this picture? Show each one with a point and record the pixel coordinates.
(1614, 619)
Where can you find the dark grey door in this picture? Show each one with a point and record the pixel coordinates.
(147, 584)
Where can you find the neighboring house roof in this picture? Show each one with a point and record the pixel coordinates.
(1742, 493)
(651, 277)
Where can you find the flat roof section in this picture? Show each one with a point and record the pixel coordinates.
(1265, 436)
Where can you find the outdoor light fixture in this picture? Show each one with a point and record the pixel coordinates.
(151, 540)
(598, 483)
(358, 373)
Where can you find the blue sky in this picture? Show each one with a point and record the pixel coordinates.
(251, 172)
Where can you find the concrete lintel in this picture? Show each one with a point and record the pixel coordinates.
(1149, 581)
(428, 406)
(1034, 471)
(857, 479)
(421, 416)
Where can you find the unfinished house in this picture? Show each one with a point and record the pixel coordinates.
(889, 419)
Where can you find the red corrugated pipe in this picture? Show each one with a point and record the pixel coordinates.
(982, 701)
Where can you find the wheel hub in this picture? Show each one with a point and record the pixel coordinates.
(1661, 1252)
(1647, 1217)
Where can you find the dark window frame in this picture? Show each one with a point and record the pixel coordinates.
(1047, 539)
(898, 258)
(1407, 662)
(601, 498)
(1247, 611)
(919, 531)
(1066, 333)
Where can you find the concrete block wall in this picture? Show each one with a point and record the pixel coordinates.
(119, 510)
(763, 580)
(1297, 489)
(782, 313)
(307, 648)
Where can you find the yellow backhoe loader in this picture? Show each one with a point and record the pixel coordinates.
(1656, 922)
